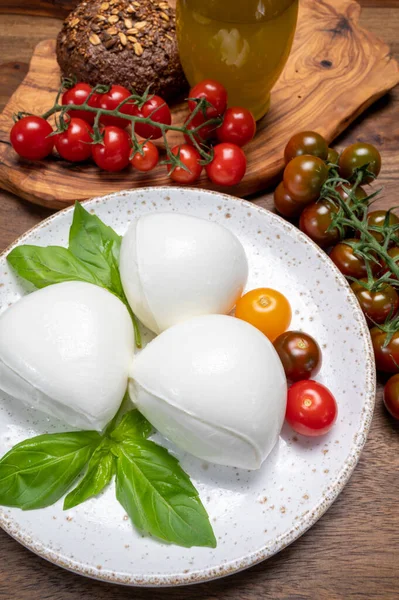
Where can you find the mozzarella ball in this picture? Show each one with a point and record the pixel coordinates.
(174, 267)
(66, 350)
(215, 387)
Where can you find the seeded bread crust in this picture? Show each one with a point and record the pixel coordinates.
(124, 42)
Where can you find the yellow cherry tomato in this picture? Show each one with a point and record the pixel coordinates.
(267, 310)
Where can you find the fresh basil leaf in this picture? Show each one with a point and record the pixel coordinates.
(159, 496)
(99, 473)
(114, 280)
(39, 471)
(133, 425)
(46, 266)
(115, 286)
(97, 245)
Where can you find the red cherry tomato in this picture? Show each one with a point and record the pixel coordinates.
(156, 109)
(74, 144)
(113, 153)
(214, 92)
(311, 408)
(190, 157)
(147, 161)
(391, 396)
(203, 134)
(110, 101)
(78, 94)
(30, 138)
(300, 355)
(238, 127)
(284, 204)
(228, 165)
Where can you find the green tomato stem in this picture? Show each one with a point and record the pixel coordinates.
(204, 151)
(352, 220)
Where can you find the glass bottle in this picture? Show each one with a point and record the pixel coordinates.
(244, 44)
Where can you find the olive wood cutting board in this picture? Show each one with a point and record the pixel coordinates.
(335, 71)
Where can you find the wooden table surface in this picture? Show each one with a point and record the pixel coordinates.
(352, 552)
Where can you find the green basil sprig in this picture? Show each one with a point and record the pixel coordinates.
(38, 472)
(93, 257)
(97, 246)
(159, 497)
(150, 484)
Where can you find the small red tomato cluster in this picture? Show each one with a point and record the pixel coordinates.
(116, 147)
(311, 408)
(33, 137)
(237, 128)
(318, 183)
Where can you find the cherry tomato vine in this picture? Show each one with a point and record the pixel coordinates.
(323, 189)
(119, 121)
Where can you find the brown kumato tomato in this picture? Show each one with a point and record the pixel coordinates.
(386, 355)
(376, 305)
(306, 142)
(316, 221)
(300, 355)
(391, 396)
(359, 155)
(304, 177)
(284, 204)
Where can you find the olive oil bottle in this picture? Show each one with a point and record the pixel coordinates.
(244, 44)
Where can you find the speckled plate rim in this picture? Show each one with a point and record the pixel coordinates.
(308, 519)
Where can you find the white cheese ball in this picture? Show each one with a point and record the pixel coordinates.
(215, 387)
(66, 350)
(174, 267)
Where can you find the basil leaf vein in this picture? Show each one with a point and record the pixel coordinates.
(98, 246)
(46, 266)
(159, 496)
(133, 425)
(100, 471)
(39, 471)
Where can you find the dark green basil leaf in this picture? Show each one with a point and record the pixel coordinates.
(159, 497)
(115, 286)
(99, 473)
(39, 471)
(97, 245)
(132, 425)
(46, 266)
(115, 283)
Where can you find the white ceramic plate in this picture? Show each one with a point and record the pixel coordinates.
(254, 514)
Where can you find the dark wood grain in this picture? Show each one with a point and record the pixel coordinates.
(351, 554)
(328, 33)
(43, 8)
(60, 8)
